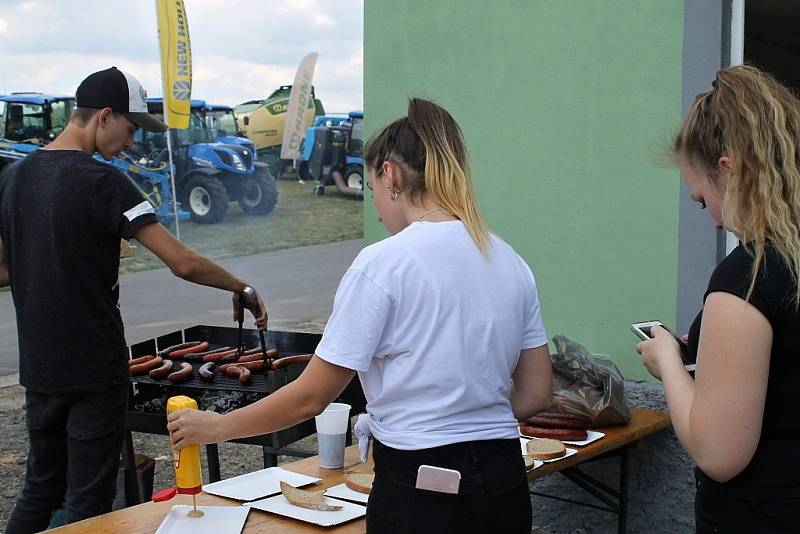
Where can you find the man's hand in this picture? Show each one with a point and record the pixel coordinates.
(253, 302)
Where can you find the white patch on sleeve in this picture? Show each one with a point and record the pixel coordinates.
(139, 210)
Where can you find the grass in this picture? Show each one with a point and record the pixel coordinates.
(300, 218)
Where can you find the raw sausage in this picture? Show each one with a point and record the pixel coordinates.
(555, 433)
(289, 360)
(160, 373)
(567, 415)
(556, 422)
(189, 350)
(181, 375)
(206, 371)
(140, 359)
(180, 346)
(146, 367)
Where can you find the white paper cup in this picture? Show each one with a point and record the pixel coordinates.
(331, 434)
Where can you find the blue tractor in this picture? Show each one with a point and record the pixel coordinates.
(333, 153)
(29, 121)
(213, 165)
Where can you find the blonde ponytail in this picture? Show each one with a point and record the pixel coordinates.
(429, 146)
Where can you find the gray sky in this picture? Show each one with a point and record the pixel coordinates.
(241, 49)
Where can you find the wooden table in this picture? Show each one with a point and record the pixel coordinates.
(616, 443)
(145, 518)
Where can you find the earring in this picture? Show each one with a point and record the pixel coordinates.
(393, 193)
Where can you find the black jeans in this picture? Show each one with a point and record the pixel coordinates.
(493, 495)
(74, 446)
(716, 513)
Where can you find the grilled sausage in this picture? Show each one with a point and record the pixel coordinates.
(181, 375)
(176, 354)
(271, 353)
(198, 356)
(160, 373)
(257, 350)
(217, 356)
(289, 360)
(140, 360)
(237, 371)
(206, 371)
(146, 367)
(253, 366)
(556, 422)
(555, 433)
(169, 350)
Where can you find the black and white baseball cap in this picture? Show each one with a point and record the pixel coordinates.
(120, 91)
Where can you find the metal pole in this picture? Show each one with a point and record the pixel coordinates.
(172, 183)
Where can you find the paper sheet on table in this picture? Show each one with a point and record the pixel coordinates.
(258, 484)
(215, 520)
(279, 505)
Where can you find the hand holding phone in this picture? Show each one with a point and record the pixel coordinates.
(643, 331)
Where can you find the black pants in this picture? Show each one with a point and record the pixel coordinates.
(493, 496)
(73, 457)
(716, 513)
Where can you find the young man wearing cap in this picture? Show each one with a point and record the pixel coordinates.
(62, 215)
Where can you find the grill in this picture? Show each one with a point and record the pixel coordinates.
(146, 406)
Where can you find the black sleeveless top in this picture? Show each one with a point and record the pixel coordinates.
(774, 471)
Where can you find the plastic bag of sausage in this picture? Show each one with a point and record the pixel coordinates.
(588, 384)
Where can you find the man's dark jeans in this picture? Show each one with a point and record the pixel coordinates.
(493, 495)
(75, 441)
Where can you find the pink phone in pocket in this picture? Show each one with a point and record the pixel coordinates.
(438, 479)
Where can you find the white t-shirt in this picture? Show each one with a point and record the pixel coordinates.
(434, 329)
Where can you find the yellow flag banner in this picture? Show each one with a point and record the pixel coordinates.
(176, 62)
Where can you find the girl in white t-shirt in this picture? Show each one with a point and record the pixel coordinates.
(442, 323)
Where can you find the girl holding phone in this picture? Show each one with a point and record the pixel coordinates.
(739, 151)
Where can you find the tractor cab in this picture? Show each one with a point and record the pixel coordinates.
(212, 165)
(221, 121)
(34, 117)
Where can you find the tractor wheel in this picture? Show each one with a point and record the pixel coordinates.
(205, 198)
(259, 194)
(354, 176)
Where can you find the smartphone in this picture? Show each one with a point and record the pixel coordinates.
(439, 479)
(642, 331)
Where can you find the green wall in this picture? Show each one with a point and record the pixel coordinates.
(565, 105)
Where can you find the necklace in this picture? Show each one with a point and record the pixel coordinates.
(434, 210)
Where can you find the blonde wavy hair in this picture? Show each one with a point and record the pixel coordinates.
(429, 148)
(750, 117)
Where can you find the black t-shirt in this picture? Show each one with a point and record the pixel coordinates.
(774, 470)
(62, 215)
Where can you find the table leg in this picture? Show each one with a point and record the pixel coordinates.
(132, 494)
(270, 459)
(622, 525)
(212, 454)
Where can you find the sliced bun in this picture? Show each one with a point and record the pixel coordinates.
(360, 482)
(546, 449)
(313, 500)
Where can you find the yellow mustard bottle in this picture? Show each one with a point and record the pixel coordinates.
(188, 476)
